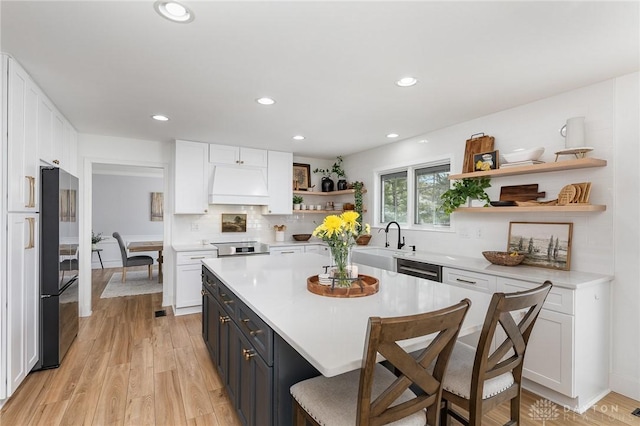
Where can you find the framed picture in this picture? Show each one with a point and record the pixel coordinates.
(157, 210)
(486, 161)
(301, 176)
(546, 245)
(234, 222)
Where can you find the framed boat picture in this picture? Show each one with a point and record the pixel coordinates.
(545, 245)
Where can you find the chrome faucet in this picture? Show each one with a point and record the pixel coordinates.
(400, 244)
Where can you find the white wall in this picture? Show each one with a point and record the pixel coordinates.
(625, 332)
(605, 242)
(93, 149)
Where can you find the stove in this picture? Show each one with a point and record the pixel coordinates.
(241, 248)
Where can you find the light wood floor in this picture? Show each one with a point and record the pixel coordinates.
(128, 367)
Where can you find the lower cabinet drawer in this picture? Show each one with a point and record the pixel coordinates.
(559, 299)
(194, 257)
(468, 279)
(286, 250)
(227, 299)
(256, 331)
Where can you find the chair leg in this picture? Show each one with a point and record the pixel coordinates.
(150, 272)
(444, 413)
(515, 410)
(298, 416)
(124, 274)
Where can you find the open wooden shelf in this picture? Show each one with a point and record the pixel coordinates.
(330, 194)
(529, 209)
(581, 163)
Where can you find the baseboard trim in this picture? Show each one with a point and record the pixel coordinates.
(625, 385)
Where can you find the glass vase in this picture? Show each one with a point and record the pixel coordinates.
(341, 259)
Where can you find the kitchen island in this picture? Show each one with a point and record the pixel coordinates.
(265, 331)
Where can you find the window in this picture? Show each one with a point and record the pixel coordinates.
(430, 184)
(394, 197)
(412, 195)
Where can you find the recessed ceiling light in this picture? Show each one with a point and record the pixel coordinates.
(174, 11)
(392, 135)
(265, 101)
(423, 141)
(160, 117)
(407, 81)
(298, 137)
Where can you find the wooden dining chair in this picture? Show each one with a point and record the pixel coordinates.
(479, 379)
(373, 395)
(132, 260)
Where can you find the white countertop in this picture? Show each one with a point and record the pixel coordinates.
(330, 332)
(566, 279)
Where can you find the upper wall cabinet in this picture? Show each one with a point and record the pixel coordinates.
(191, 177)
(230, 155)
(22, 121)
(280, 178)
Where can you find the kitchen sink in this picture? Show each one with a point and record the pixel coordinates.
(377, 257)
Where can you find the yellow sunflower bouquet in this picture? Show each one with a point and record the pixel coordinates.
(340, 233)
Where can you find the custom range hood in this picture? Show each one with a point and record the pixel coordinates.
(238, 185)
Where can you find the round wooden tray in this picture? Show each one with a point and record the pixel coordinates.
(370, 286)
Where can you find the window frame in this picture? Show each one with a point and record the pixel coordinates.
(410, 169)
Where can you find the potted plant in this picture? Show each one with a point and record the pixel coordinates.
(364, 238)
(95, 239)
(327, 182)
(339, 171)
(464, 190)
(297, 200)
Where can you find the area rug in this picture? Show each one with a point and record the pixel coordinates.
(138, 282)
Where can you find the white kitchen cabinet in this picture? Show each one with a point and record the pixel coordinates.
(241, 156)
(22, 165)
(22, 298)
(70, 148)
(470, 280)
(191, 177)
(567, 357)
(279, 182)
(319, 249)
(280, 250)
(188, 283)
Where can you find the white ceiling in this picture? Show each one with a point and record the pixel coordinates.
(331, 66)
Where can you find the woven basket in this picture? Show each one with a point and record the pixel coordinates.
(503, 258)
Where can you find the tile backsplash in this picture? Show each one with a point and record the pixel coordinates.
(193, 229)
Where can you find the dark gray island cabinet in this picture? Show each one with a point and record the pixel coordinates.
(256, 365)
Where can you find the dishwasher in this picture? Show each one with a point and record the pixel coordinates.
(424, 270)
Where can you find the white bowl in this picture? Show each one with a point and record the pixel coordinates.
(523, 154)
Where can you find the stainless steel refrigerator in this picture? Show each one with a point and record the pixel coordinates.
(58, 265)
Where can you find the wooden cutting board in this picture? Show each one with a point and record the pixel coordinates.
(476, 145)
(521, 193)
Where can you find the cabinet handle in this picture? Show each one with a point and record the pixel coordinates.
(223, 319)
(248, 354)
(287, 252)
(465, 281)
(226, 302)
(56, 162)
(237, 161)
(199, 257)
(31, 244)
(202, 292)
(32, 191)
(245, 322)
(206, 211)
